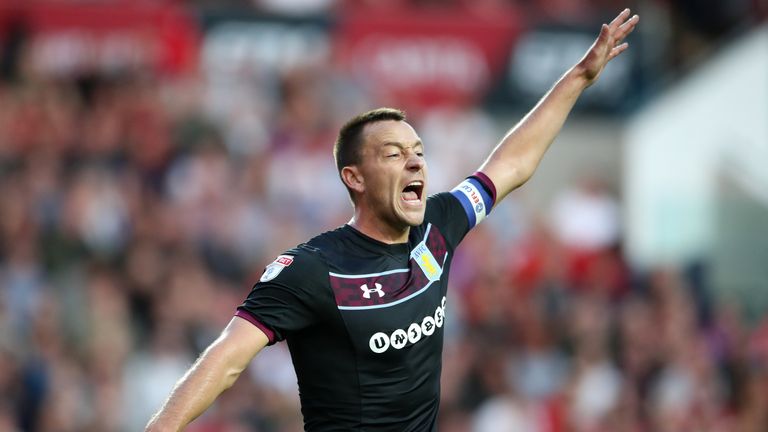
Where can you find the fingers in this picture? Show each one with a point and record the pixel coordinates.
(617, 50)
(609, 43)
(620, 18)
(626, 28)
(618, 29)
(604, 33)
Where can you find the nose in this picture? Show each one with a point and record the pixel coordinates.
(415, 162)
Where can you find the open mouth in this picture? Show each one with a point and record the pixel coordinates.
(413, 191)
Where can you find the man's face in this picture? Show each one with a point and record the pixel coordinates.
(394, 173)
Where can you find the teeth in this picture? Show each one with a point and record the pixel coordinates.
(415, 183)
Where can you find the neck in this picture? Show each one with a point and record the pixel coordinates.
(378, 229)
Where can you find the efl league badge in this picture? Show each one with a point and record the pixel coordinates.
(274, 269)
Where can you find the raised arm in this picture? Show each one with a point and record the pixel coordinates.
(215, 371)
(516, 157)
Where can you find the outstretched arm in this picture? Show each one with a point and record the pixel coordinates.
(516, 157)
(215, 371)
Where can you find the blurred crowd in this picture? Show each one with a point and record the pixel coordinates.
(138, 211)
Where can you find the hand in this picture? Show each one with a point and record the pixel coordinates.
(607, 46)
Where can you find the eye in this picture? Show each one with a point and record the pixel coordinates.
(393, 155)
(420, 154)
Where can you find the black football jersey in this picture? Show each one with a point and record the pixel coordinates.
(364, 320)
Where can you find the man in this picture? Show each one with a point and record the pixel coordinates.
(363, 307)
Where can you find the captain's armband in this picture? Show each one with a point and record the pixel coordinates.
(476, 197)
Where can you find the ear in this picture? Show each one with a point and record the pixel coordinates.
(353, 178)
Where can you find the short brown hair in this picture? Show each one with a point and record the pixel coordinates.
(346, 150)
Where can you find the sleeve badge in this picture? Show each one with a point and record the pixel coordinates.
(274, 269)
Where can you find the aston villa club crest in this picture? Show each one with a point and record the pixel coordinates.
(427, 262)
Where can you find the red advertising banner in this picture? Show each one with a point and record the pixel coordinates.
(426, 58)
(71, 37)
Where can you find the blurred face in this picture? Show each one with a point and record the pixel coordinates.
(393, 174)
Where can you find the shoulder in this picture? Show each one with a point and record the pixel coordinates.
(440, 204)
(311, 257)
(323, 242)
(300, 262)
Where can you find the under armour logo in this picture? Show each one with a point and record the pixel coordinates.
(367, 292)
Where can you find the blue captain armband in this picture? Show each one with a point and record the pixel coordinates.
(475, 197)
